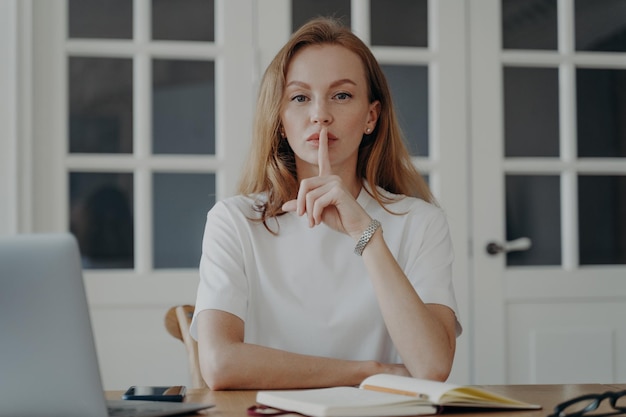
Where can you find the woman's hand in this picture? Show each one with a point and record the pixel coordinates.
(326, 199)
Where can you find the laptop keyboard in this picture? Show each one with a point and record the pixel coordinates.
(131, 411)
(121, 408)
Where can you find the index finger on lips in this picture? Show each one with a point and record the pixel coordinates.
(323, 160)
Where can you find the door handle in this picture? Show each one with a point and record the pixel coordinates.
(520, 244)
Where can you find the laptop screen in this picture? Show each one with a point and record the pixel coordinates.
(48, 359)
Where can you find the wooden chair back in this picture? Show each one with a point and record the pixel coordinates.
(177, 323)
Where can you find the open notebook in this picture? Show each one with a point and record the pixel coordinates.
(48, 363)
(388, 395)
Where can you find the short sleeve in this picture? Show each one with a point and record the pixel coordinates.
(430, 258)
(223, 284)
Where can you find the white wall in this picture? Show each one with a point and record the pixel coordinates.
(8, 116)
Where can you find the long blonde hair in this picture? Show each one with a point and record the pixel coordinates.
(383, 157)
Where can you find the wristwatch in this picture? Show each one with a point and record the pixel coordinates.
(366, 236)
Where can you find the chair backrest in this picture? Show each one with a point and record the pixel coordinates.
(177, 323)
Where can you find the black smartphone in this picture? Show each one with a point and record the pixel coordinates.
(174, 393)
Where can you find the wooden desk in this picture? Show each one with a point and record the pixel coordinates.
(235, 403)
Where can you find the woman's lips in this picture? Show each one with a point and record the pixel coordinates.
(315, 137)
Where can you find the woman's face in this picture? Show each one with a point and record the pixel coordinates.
(326, 86)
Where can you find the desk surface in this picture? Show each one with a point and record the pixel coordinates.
(235, 403)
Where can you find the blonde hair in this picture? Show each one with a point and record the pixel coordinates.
(383, 157)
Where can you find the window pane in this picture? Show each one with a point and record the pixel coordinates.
(601, 112)
(101, 218)
(112, 19)
(600, 25)
(101, 105)
(409, 89)
(304, 10)
(529, 24)
(531, 112)
(183, 20)
(183, 107)
(181, 202)
(602, 219)
(410, 22)
(533, 210)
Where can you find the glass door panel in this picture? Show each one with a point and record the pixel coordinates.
(409, 89)
(97, 19)
(101, 218)
(180, 203)
(100, 105)
(183, 20)
(533, 210)
(183, 107)
(601, 110)
(305, 10)
(410, 23)
(529, 24)
(600, 25)
(602, 219)
(531, 112)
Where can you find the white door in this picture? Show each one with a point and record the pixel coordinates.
(548, 82)
(141, 119)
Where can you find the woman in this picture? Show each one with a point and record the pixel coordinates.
(283, 301)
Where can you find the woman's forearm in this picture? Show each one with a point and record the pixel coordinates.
(423, 334)
(229, 363)
(247, 366)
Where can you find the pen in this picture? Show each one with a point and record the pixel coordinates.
(396, 391)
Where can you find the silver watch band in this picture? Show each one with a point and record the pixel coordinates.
(366, 236)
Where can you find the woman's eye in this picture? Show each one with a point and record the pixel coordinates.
(342, 96)
(299, 98)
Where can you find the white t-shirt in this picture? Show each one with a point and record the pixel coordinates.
(304, 290)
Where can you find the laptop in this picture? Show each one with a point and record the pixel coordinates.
(48, 363)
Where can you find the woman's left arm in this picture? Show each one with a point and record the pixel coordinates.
(424, 334)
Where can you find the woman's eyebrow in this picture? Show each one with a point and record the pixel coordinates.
(302, 84)
(343, 81)
(297, 84)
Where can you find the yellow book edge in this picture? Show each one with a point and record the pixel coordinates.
(443, 394)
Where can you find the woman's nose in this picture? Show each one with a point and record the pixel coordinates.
(320, 114)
